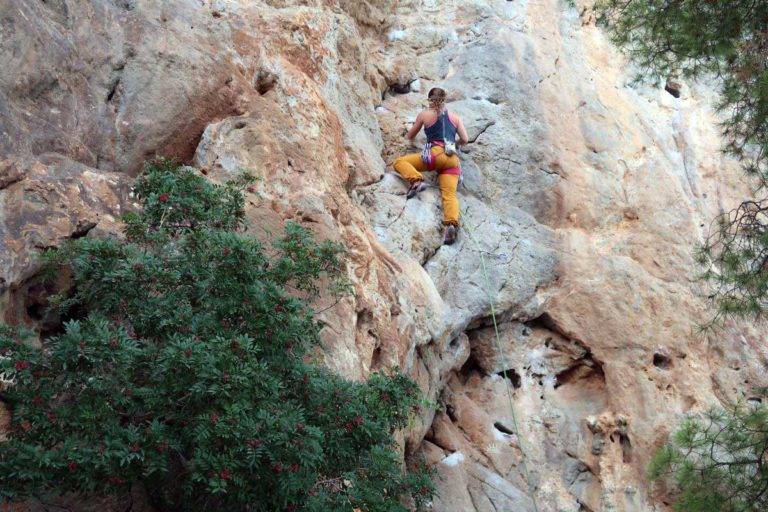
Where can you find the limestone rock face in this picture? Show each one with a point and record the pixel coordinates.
(584, 198)
(44, 201)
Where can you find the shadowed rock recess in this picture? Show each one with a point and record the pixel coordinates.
(586, 195)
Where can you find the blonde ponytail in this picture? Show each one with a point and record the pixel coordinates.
(436, 99)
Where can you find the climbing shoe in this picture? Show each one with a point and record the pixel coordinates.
(451, 232)
(415, 188)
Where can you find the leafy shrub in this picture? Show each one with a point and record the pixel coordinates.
(718, 463)
(185, 369)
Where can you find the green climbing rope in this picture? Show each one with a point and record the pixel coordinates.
(497, 337)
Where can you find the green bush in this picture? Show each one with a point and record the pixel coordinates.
(185, 368)
(718, 463)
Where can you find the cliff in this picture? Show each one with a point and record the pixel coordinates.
(584, 198)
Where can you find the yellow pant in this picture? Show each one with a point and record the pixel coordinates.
(411, 166)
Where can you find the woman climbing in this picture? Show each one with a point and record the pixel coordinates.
(441, 128)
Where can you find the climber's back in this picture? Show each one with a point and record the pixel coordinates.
(439, 126)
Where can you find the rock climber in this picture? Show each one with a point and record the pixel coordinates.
(441, 128)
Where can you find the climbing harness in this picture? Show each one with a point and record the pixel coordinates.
(497, 338)
(426, 155)
(447, 142)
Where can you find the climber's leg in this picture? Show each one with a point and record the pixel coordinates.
(410, 167)
(448, 184)
(448, 179)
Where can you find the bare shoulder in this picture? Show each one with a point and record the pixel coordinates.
(454, 117)
(424, 114)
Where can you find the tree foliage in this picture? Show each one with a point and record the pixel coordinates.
(727, 41)
(185, 369)
(718, 462)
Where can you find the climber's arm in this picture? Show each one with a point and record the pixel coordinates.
(414, 131)
(461, 132)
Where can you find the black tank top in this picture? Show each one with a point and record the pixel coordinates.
(442, 129)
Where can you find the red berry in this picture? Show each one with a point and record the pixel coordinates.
(116, 480)
(162, 447)
(188, 352)
(254, 443)
(277, 467)
(349, 426)
(163, 198)
(37, 400)
(214, 418)
(21, 365)
(224, 474)
(294, 468)
(226, 251)
(51, 417)
(358, 420)
(72, 466)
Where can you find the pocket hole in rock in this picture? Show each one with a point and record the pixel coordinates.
(376, 358)
(673, 88)
(265, 82)
(503, 428)
(661, 361)
(513, 377)
(400, 88)
(626, 448)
